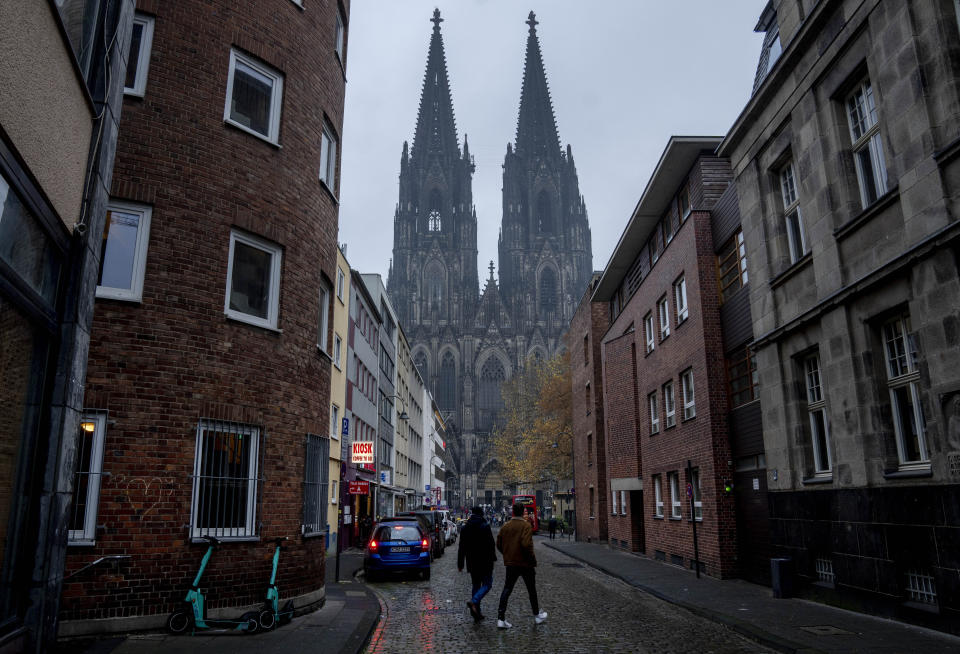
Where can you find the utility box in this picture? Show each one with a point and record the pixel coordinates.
(781, 577)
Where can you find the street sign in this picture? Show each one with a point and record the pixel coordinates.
(427, 487)
(359, 487)
(689, 490)
(385, 477)
(346, 427)
(361, 452)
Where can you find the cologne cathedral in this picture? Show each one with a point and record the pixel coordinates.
(466, 341)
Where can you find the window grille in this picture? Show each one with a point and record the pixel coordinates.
(921, 587)
(824, 569)
(226, 480)
(316, 485)
(86, 485)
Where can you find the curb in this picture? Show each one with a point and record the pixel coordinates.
(746, 629)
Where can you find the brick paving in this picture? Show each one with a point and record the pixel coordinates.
(588, 612)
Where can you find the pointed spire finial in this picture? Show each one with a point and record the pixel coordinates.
(532, 22)
(436, 20)
(491, 270)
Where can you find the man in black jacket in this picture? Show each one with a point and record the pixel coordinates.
(478, 550)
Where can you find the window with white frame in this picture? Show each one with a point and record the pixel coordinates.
(675, 509)
(253, 280)
(867, 144)
(328, 157)
(340, 280)
(669, 404)
(663, 309)
(254, 96)
(657, 496)
(334, 421)
(225, 480)
(623, 502)
(903, 381)
(338, 36)
(697, 495)
(316, 479)
(123, 251)
(86, 480)
(138, 61)
(323, 319)
(817, 409)
(648, 332)
(791, 213)
(824, 570)
(613, 499)
(337, 347)
(689, 404)
(335, 491)
(680, 294)
(654, 409)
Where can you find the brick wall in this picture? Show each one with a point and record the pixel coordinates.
(161, 365)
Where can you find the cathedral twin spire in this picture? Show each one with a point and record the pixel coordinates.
(436, 132)
(536, 126)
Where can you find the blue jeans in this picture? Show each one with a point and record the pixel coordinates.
(482, 583)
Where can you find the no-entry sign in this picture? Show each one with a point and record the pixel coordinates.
(361, 452)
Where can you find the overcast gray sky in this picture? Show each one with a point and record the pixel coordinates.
(624, 76)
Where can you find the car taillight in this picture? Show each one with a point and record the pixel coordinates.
(424, 543)
(373, 546)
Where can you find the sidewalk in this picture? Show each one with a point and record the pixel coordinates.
(342, 626)
(787, 625)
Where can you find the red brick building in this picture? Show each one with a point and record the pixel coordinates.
(665, 388)
(207, 399)
(587, 328)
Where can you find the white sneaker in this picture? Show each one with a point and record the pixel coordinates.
(540, 617)
(503, 624)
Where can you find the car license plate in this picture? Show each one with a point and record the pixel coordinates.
(399, 549)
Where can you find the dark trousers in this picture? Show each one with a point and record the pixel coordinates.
(482, 582)
(529, 579)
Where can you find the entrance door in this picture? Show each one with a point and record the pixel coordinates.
(753, 527)
(638, 543)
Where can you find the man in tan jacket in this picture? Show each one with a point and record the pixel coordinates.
(515, 542)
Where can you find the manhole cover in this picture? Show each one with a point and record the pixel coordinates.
(567, 565)
(827, 630)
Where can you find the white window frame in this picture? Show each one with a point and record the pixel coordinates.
(689, 397)
(340, 282)
(623, 502)
(139, 87)
(903, 374)
(276, 95)
(793, 220)
(323, 318)
(663, 311)
(649, 333)
(657, 496)
(338, 36)
(680, 293)
(676, 504)
(817, 410)
(276, 260)
(654, 408)
(861, 110)
(139, 264)
(328, 157)
(669, 404)
(337, 349)
(334, 421)
(613, 495)
(697, 495)
(88, 535)
(250, 527)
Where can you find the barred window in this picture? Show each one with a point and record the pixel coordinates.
(86, 485)
(732, 266)
(921, 587)
(316, 479)
(226, 482)
(742, 377)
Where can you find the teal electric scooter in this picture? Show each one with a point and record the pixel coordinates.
(193, 614)
(272, 615)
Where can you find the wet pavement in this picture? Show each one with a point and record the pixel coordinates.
(588, 612)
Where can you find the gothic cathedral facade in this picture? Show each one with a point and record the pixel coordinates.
(467, 342)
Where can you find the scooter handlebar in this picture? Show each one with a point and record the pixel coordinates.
(212, 540)
(280, 539)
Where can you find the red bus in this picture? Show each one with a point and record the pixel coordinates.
(529, 503)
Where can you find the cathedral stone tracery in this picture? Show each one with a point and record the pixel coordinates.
(465, 342)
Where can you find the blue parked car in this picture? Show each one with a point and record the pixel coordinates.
(397, 545)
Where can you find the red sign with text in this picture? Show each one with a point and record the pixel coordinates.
(359, 487)
(361, 452)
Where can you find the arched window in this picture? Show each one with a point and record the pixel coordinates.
(420, 361)
(447, 383)
(489, 401)
(544, 213)
(548, 292)
(433, 220)
(434, 279)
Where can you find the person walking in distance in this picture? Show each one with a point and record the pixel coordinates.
(515, 542)
(553, 527)
(477, 550)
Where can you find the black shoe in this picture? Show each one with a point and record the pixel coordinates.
(474, 611)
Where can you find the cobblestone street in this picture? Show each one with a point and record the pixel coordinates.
(588, 612)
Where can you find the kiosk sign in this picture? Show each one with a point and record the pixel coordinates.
(361, 452)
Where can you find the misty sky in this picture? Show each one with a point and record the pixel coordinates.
(624, 76)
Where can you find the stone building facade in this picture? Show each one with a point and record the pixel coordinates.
(847, 165)
(208, 386)
(467, 342)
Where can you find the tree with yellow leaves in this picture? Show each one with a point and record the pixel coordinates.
(533, 440)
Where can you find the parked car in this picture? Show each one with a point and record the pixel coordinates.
(432, 524)
(450, 531)
(397, 545)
